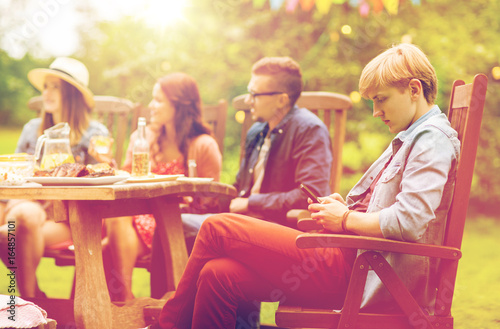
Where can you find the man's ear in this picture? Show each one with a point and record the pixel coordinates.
(416, 88)
(284, 100)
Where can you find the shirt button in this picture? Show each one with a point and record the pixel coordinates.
(280, 131)
(242, 193)
(250, 170)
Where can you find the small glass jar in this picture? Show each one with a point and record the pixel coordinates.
(15, 169)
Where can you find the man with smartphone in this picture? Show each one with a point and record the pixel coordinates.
(287, 145)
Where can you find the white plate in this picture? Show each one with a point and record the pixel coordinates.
(153, 178)
(105, 180)
(195, 179)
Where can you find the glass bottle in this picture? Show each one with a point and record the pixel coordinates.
(140, 151)
(192, 172)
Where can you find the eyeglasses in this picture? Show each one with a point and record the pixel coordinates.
(254, 94)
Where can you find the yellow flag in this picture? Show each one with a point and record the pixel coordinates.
(391, 6)
(323, 6)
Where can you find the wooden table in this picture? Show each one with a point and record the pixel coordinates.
(86, 206)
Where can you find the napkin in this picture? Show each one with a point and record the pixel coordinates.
(16, 312)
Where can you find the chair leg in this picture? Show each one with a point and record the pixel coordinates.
(397, 289)
(73, 287)
(350, 311)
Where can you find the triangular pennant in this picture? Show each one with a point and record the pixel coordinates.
(391, 6)
(306, 5)
(378, 6)
(291, 5)
(339, 2)
(276, 4)
(323, 6)
(364, 9)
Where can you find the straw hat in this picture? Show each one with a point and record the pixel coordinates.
(68, 69)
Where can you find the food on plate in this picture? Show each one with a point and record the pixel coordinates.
(100, 170)
(77, 170)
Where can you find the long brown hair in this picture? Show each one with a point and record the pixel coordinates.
(75, 112)
(182, 90)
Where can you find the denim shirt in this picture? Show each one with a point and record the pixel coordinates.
(413, 196)
(29, 136)
(300, 152)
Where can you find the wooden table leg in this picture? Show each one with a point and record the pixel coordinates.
(92, 301)
(170, 234)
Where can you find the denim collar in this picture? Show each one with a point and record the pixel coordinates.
(403, 135)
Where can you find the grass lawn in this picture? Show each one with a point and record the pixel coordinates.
(476, 300)
(8, 139)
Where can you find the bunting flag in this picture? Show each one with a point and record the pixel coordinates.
(291, 5)
(323, 6)
(391, 6)
(364, 9)
(378, 6)
(276, 4)
(306, 5)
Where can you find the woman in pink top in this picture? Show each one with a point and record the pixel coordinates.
(176, 134)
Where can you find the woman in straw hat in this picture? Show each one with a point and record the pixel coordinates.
(66, 98)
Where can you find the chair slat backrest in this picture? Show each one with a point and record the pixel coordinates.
(328, 107)
(215, 115)
(465, 114)
(114, 112)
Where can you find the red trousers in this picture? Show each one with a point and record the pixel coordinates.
(238, 258)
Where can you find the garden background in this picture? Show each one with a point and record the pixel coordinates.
(217, 41)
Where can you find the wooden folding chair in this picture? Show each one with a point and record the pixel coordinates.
(213, 114)
(465, 114)
(328, 106)
(116, 113)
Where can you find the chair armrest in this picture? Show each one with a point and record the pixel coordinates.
(293, 216)
(318, 240)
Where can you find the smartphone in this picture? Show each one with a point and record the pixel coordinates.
(309, 193)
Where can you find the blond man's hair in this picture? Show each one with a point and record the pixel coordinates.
(285, 72)
(395, 67)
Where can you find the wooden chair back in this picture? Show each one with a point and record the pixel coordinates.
(213, 114)
(465, 114)
(114, 112)
(330, 107)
